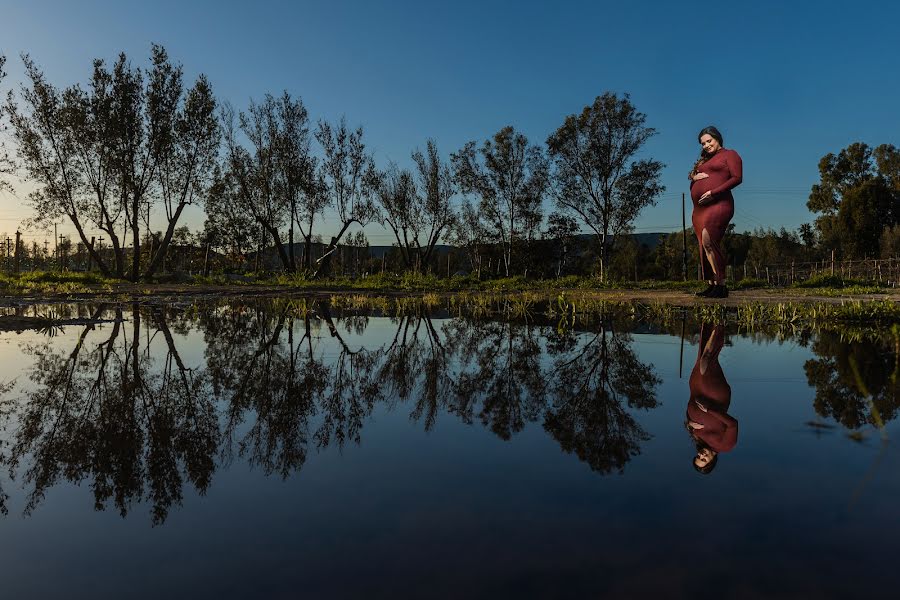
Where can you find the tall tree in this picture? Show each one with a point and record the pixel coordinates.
(187, 164)
(64, 140)
(254, 172)
(296, 171)
(349, 180)
(597, 175)
(436, 188)
(144, 114)
(397, 196)
(98, 153)
(509, 177)
(857, 196)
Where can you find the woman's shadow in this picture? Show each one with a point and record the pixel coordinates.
(711, 427)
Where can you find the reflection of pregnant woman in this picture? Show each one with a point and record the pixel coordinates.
(713, 177)
(708, 421)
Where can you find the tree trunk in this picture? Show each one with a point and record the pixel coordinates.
(324, 269)
(136, 238)
(160, 254)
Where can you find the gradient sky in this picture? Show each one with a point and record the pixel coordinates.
(785, 82)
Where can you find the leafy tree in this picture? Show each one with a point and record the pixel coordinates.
(596, 175)
(436, 188)
(104, 157)
(349, 180)
(228, 227)
(857, 195)
(509, 177)
(252, 177)
(187, 164)
(297, 174)
(397, 195)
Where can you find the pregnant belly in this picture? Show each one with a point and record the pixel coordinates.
(701, 187)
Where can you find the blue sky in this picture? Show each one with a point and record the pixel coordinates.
(785, 82)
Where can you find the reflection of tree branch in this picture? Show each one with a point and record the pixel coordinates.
(587, 416)
(82, 423)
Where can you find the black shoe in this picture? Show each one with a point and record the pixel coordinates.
(719, 291)
(706, 293)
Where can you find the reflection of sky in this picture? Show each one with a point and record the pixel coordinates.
(462, 507)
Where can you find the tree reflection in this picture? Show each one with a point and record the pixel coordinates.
(592, 384)
(104, 414)
(500, 379)
(856, 381)
(122, 411)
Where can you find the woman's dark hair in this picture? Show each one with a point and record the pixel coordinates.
(713, 132)
(708, 467)
(716, 135)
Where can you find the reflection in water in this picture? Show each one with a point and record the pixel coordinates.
(121, 412)
(856, 381)
(117, 408)
(711, 427)
(132, 426)
(590, 381)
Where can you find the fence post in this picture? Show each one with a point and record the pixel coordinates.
(768, 280)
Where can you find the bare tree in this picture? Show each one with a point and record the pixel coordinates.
(509, 179)
(349, 180)
(596, 174)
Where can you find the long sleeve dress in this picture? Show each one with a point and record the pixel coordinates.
(710, 387)
(725, 170)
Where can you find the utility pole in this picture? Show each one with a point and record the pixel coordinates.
(56, 248)
(60, 251)
(683, 242)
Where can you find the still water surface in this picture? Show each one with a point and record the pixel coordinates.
(251, 449)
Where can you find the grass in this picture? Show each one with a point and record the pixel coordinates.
(54, 282)
(65, 283)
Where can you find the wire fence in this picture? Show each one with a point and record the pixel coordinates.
(884, 271)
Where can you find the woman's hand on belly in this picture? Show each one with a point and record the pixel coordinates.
(699, 176)
(706, 198)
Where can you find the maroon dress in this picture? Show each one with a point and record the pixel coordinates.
(720, 429)
(725, 173)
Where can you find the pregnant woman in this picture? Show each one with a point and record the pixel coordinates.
(713, 177)
(711, 427)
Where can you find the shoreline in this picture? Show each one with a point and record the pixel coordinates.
(131, 292)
